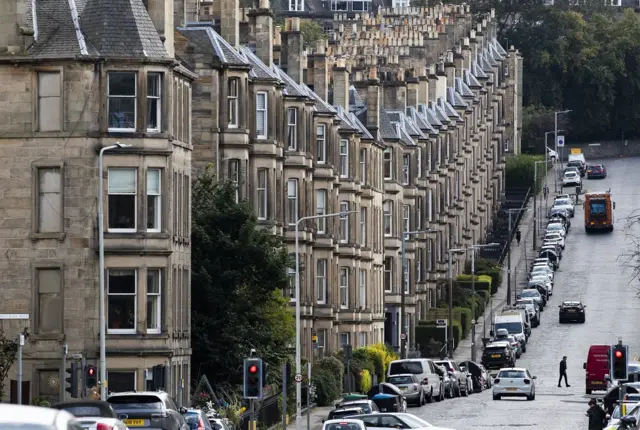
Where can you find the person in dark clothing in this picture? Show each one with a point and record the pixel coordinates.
(597, 416)
(518, 236)
(563, 372)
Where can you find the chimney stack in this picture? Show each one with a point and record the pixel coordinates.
(413, 87)
(466, 53)
(373, 102)
(261, 20)
(423, 88)
(450, 70)
(340, 75)
(292, 47)
(433, 82)
(17, 28)
(321, 71)
(230, 22)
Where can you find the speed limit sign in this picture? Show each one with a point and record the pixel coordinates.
(298, 377)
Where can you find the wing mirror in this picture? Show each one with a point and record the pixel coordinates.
(628, 420)
(607, 377)
(584, 366)
(182, 410)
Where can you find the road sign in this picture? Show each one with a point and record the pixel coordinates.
(14, 316)
(473, 321)
(441, 323)
(560, 141)
(298, 377)
(403, 336)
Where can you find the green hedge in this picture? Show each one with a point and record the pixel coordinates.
(465, 320)
(427, 330)
(482, 282)
(484, 295)
(519, 171)
(327, 375)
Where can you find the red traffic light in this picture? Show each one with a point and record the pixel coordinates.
(619, 354)
(91, 371)
(253, 369)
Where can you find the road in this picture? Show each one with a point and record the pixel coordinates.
(590, 271)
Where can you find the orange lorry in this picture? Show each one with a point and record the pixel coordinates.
(598, 212)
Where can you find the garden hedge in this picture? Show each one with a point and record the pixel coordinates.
(483, 283)
(427, 330)
(465, 320)
(327, 375)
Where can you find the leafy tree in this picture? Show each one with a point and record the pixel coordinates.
(8, 350)
(311, 32)
(238, 273)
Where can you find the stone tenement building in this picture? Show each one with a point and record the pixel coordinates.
(77, 76)
(403, 118)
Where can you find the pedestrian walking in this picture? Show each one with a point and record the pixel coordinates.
(563, 372)
(597, 416)
(545, 191)
(518, 236)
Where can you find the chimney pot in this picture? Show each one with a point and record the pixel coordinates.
(373, 72)
(295, 22)
(493, 13)
(264, 4)
(479, 27)
(465, 41)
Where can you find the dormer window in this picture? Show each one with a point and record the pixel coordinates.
(122, 101)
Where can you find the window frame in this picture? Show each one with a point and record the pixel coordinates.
(291, 274)
(262, 194)
(321, 280)
(265, 124)
(387, 215)
(158, 200)
(293, 200)
(343, 275)
(406, 218)
(135, 104)
(158, 110)
(135, 201)
(362, 288)
(344, 158)
(233, 102)
(158, 304)
(344, 221)
(363, 166)
(135, 300)
(321, 223)
(348, 337)
(35, 302)
(387, 164)
(363, 226)
(234, 176)
(48, 71)
(407, 276)
(388, 274)
(133, 371)
(292, 129)
(321, 143)
(419, 257)
(35, 213)
(419, 161)
(406, 168)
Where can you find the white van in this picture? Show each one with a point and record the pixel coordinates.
(577, 157)
(514, 325)
(522, 311)
(424, 369)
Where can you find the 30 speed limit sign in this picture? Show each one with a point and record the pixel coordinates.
(298, 377)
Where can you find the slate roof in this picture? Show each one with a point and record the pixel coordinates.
(420, 119)
(387, 129)
(495, 52)
(448, 109)
(292, 88)
(455, 99)
(321, 105)
(360, 126)
(206, 38)
(477, 71)
(462, 88)
(345, 121)
(399, 121)
(499, 47)
(470, 79)
(259, 70)
(431, 116)
(82, 28)
(484, 62)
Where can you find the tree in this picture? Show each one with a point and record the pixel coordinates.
(311, 32)
(238, 274)
(8, 350)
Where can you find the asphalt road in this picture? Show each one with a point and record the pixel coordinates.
(592, 272)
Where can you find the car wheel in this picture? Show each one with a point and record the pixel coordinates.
(524, 348)
(588, 391)
(496, 397)
(531, 397)
(466, 390)
(582, 321)
(560, 320)
(421, 400)
(458, 392)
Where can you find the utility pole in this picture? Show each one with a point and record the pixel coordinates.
(555, 135)
(535, 200)
(450, 321)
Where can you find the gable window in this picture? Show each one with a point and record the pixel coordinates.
(363, 226)
(337, 5)
(153, 200)
(233, 85)
(122, 188)
(388, 274)
(234, 177)
(49, 207)
(406, 164)
(154, 101)
(49, 307)
(406, 218)
(344, 287)
(321, 281)
(292, 138)
(344, 222)
(321, 144)
(122, 101)
(388, 163)
(292, 201)
(261, 115)
(344, 158)
(49, 101)
(387, 209)
(262, 189)
(122, 301)
(363, 288)
(321, 209)
(154, 304)
(363, 166)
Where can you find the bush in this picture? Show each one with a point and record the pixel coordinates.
(327, 386)
(387, 355)
(428, 331)
(482, 282)
(488, 268)
(335, 367)
(365, 381)
(483, 296)
(376, 356)
(465, 320)
(519, 171)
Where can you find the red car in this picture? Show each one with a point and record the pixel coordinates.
(596, 171)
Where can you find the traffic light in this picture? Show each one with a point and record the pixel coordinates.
(253, 378)
(619, 358)
(90, 376)
(72, 379)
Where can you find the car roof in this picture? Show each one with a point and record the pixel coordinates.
(341, 409)
(343, 420)
(23, 414)
(521, 369)
(401, 374)
(571, 302)
(498, 343)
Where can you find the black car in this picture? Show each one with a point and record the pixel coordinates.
(149, 409)
(571, 311)
(577, 164)
(596, 171)
(498, 355)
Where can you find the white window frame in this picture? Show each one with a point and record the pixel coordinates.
(158, 110)
(406, 168)
(387, 217)
(265, 125)
(363, 166)
(321, 334)
(419, 201)
(292, 132)
(263, 193)
(347, 336)
(344, 158)
(135, 104)
(232, 102)
(322, 266)
(407, 277)
(234, 176)
(406, 218)
(344, 222)
(387, 160)
(321, 143)
(363, 288)
(363, 226)
(292, 199)
(419, 161)
(388, 274)
(158, 304)
(363, 338)
(135, 202)
(157, 197)
(296, 5)
(321, 209)
(135, 303)
(419, 257)
(344, 288)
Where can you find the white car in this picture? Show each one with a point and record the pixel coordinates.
(398, 420)
(565, 204)
(571, 178)
(562, 196)
(541, 271)
(514, 382)
(35, 417)
(344, 424)
(556, 227)
(629, 409)
(555, 238)
(541, 280)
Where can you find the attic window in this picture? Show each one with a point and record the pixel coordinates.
(122, 101)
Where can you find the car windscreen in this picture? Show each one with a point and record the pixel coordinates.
(495, 350)
(414, 421)
(597, 207)
(529, 302)
(342, 426)
(135, 402)
(562, 202)
(363, 405)
(400, 380)
(511, 374)
(399, 367)
(335, 415)
(512, 327)
(83, 411)
(553, 227)
(530, 293)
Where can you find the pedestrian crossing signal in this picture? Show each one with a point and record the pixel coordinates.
(619, 363)
(253, 378)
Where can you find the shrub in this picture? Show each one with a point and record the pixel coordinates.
(386, 353)
(482, 282)
(376, 356)
(335, 367)
(483, 296)
(327, 385)
(428, 331)
(365, 381)
(465, 320)
(519, 171)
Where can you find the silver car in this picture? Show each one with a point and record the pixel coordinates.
(19, 417)
(410, 385)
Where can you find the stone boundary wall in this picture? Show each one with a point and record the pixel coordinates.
(604, 149)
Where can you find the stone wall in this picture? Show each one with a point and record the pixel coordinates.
(605, 149)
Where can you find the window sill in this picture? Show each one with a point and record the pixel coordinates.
(136, 235)
(35, 337)
(44, 236)
(115, 336)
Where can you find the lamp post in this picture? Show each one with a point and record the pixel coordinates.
(473, 249)
(101, 316)
(535, 200)
(451, 251)
(297, 295)
(555, 135)
(509, 255)
(403, 293)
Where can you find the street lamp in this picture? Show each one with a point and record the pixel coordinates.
(403, 293)
(297, 295)
(451, 251)
(102, 319)
(509, 255)
(473, 249)
(555, 135)
(535, 200)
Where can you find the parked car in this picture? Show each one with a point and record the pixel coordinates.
(460, 378)
(498, 354)
(447, 383)
(197, 420)
(424, 370)
(396, 421)
(344, 424)
(478, 375)
(87, 408)
(571, 179)
(340, 413)
(514, 382)
(410, 385)
(35, 417)
(367, 405)
(154, 409)
(565, 204)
